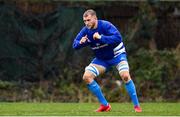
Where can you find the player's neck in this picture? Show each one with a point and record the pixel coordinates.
(95, 25)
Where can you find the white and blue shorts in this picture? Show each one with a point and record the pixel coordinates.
(117, 61)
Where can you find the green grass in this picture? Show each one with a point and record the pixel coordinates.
(86, 109)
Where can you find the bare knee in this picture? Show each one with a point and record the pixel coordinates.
(125, 76)
(88, 78)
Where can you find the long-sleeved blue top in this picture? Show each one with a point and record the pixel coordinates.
(109, 46)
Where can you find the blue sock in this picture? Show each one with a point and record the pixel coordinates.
(130, 87)
(96, 90)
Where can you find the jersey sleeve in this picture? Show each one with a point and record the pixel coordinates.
(112, 34)
(76, 44)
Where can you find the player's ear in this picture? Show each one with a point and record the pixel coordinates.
(95, 17)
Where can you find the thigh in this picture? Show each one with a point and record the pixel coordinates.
(97, 67)
(93, 70)
(100, 68)
(123, 67)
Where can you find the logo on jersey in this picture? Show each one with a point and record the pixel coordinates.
(98, 47)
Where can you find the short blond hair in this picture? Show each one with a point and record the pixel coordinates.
(89, 12)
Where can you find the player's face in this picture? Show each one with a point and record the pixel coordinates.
(90, 21)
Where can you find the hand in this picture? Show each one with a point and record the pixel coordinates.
(96, 36)
(83, 39)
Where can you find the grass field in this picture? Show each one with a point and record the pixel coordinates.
(86, 109)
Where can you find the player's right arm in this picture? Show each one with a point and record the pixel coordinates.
(81, 40)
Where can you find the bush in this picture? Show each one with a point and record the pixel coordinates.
(153, 72)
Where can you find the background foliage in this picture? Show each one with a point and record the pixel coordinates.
(37, 62)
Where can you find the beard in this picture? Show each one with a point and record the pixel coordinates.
(91, 26)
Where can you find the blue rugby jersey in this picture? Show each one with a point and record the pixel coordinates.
(109, 46)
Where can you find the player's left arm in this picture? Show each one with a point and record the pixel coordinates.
(112, 35)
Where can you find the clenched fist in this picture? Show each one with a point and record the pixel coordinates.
(96, 35)
(83, 39)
